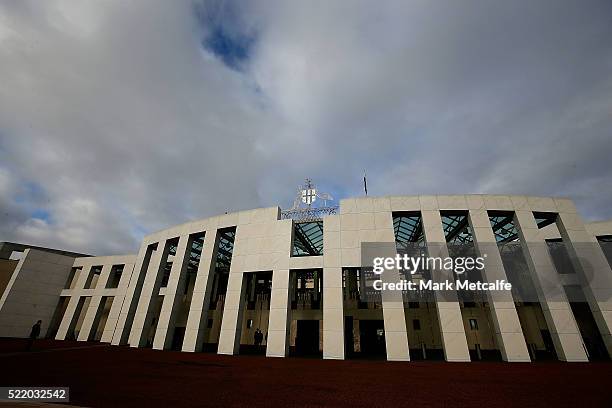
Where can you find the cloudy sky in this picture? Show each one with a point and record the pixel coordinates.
(121, 118)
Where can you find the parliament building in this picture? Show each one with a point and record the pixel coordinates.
(298, 277)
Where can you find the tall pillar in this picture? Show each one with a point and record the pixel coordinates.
(555, 307)
(200, 299)
(231, 326)
(92, 311)
(176, 285)
(508, 331)
(333, 297)
(333, 314)
(394, 319)
(150, 289)
(90, 318)
(447, 305)
(71, 309)
(379, 232)
(396, 336)
(592, 268)
(278, 333)
(129, 302)
(118, 300)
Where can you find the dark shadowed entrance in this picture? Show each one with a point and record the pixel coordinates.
(372, 335)
(307, 338)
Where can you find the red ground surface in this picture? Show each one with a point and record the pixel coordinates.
(108, 376)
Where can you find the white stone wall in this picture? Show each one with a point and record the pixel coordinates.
(33, 292)
(77, 291)
(263, 243)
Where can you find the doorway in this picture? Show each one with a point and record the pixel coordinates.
(307, 338)
(372, 337)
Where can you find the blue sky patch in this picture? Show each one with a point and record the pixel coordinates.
(233, 50)
(227, 36)
(41, 214)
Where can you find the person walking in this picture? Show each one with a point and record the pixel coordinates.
(258, 337)
(33, 335)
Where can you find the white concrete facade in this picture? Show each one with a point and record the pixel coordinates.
(33, 292)
(146, 312)
(77, 290)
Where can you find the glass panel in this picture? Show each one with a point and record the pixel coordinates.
(308, 238)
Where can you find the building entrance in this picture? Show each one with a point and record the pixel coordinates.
(372, 337)
(307, 338)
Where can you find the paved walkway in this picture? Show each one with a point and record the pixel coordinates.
(55, 350)
(109, 376)
(19, 404)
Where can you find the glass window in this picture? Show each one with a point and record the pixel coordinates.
(115, 277)
(92, 278)
(307, 238)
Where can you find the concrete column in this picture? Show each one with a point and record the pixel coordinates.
(150, 289)
(557, 312)
(394, 320)
(71, 309)
(592, 267)
(508, 331)
(447, 305)
(174, 291)
(118, 301)
(396, 336)
(132, 294)
(90, 318)
(92, 311)
(62, 331)
(278, 327)
(333, 297)
(333, 314)
(111, 321)
(231, 326)
(200, 299)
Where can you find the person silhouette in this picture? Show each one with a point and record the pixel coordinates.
(258, 337)
(33, 335)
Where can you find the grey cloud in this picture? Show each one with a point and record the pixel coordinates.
(130, 125)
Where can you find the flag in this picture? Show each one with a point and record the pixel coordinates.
(365, 184)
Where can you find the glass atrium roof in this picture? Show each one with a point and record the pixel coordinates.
(308, 238)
